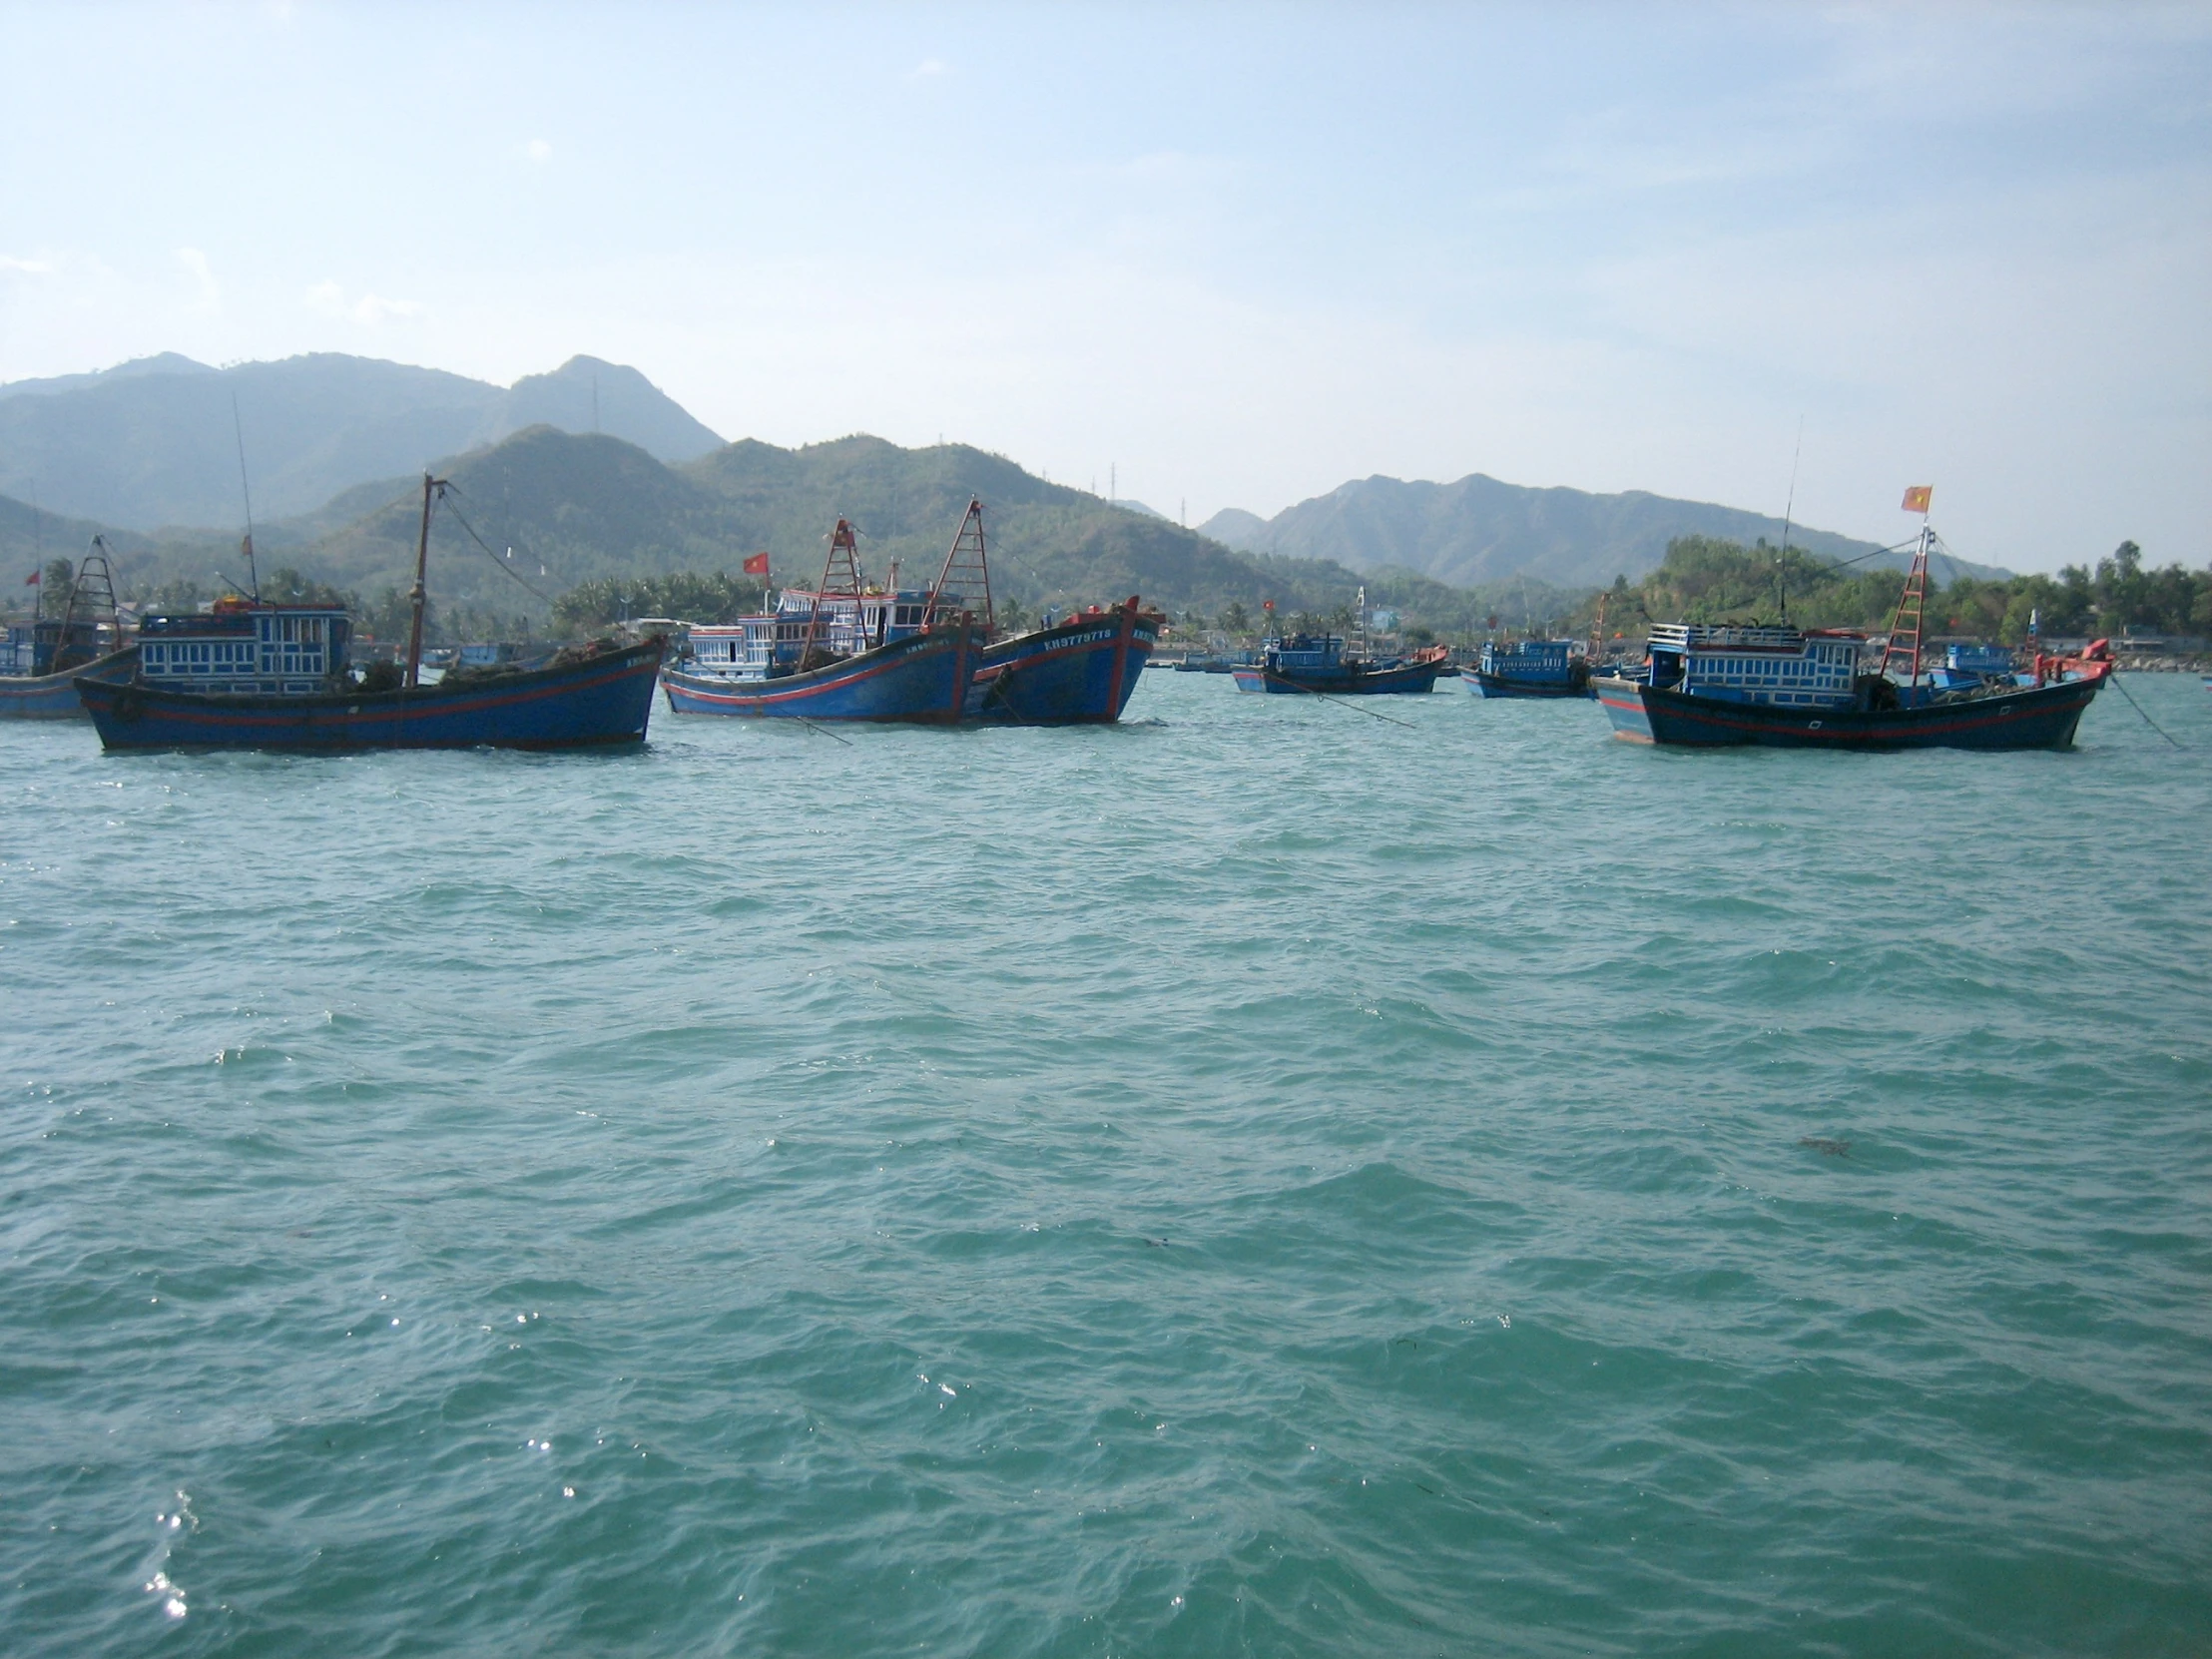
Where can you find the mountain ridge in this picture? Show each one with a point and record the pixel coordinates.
(554, 510)
(1478, 529)
(155, 442)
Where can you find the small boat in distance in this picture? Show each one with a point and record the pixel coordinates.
(40, 660)
(253, 674)
(1317, 665)
(841, 650)
(1530, 668)
(1722, 684)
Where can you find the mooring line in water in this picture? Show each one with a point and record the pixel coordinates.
(2138, 707)
(1372, 714)
(823, 729)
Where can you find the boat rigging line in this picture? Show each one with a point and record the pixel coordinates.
(1372, 714)
(1781, 565)
(2140, 709)
(237, 427)
(453, 490)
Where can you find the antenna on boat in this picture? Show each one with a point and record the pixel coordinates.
(38, 555)
(1781, 570)
(253, 572)
(417, 596)
(966, 562)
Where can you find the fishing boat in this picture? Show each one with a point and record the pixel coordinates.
(1778, 685)
(1530, 668)
(1080, 671)
(41, 658)
(1966, 667)
(841, 651)
(254, 675)
(1317, 665)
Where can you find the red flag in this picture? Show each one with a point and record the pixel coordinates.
(1267, 603)
(31, 581)
(1917, 497)
(757, 565)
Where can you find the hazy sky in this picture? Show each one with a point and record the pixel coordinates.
(1242, 254)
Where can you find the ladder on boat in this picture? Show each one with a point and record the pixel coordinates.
(1912, 603)
(841, 579)
(966, 571)
(94, 588)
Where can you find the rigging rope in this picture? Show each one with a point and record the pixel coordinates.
(490, 554)
(2138, 707)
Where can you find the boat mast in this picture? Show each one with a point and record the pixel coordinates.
(967, 561)
(417, 594)
(1913, 602)
(841, 541)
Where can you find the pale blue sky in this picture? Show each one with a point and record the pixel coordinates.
(1243, 253)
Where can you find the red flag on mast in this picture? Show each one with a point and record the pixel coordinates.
(1916, 497)
(31, 581)
(757, 565)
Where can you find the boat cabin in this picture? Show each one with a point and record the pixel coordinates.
(240, 647)
(1314, 652)
(33, 648)
(1782, 665)
(1531, 662)
(762, 647)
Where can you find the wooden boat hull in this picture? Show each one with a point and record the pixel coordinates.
(604, 699)
(923, 679)
(1080, 672)
(2043, 717)
(53, 695)
(1406, 680)
(1494, 685)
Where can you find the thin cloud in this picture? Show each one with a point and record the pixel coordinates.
(538, 149)
(369, 310)
(195, 261)
(928, 69)
(25, 267)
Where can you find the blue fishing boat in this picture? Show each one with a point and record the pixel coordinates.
(41, 658)
(1317, 665)
(1079, 670)
(1530, 668)
(1965, 666)
(1778, 686)
(253, 674)
(589, 694)
(841, 650)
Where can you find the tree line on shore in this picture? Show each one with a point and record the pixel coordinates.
(1707, 580)
(1701, 578)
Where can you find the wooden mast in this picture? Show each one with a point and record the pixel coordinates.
(419, 593)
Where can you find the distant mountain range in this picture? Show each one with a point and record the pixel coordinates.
(152, 444)
(550, 510)
(1479, 530)
(591, 472)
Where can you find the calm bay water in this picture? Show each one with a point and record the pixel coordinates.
(1262, 1179)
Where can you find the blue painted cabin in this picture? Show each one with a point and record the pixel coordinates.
(1530, 668)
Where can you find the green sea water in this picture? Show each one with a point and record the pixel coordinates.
(1264, 1178)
